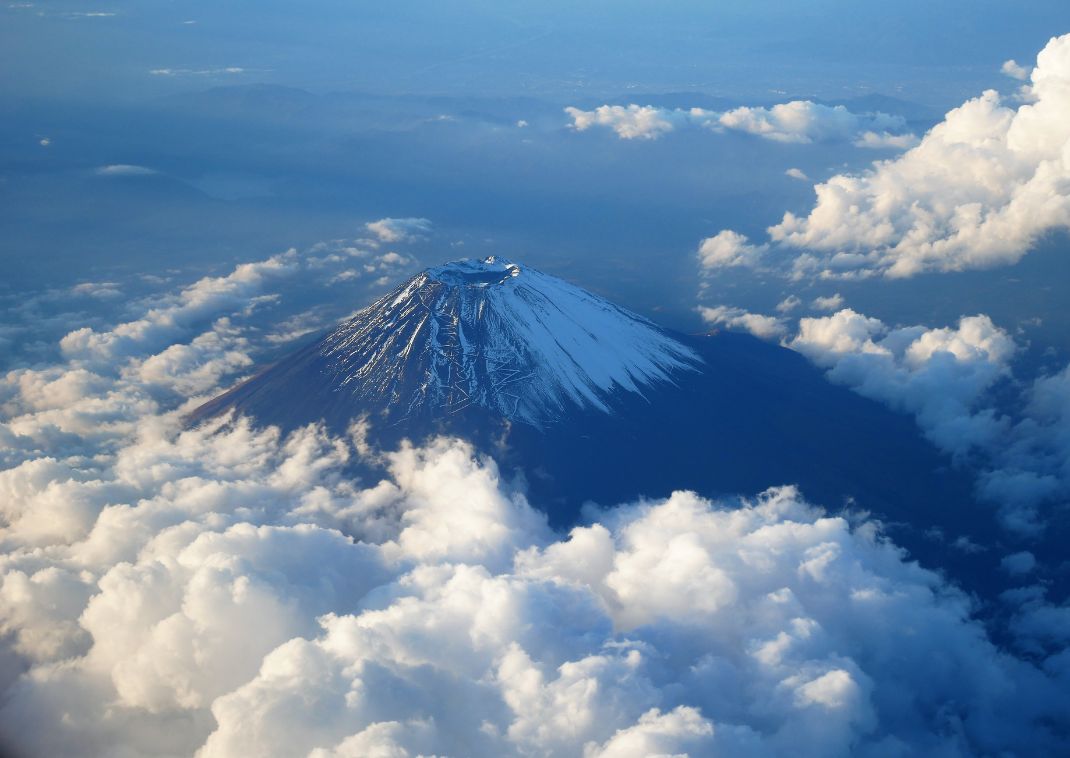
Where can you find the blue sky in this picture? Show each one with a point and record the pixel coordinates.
(501, 48)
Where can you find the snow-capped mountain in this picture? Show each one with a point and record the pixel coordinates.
(487, 338)
(501, 336)
(581, 400)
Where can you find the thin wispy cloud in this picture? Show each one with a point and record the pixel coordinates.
(399, 229)
(180, 72)
(124, 169)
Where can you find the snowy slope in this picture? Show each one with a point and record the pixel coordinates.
(496, 334)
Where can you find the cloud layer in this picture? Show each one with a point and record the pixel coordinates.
(950, 380)
(946, 378)
(226, 591)
(978, 190)
(243, 596)
(938, 375)
(798, 121)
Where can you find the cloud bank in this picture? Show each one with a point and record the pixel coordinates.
(242, 596)
(938, 375)
(978, 190)
(228, 591)
(946, 378)
(949, 379)
(799, 121)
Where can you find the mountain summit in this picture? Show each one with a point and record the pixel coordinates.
(472, 337)
(494, 334)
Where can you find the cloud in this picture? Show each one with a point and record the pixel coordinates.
(803, 121)
(976, 192)
(1032, 466)
(728, 249)
(797, 173)
(221, 587)
(199, 365)
(799, 121)
(177, 314)
(124, 169)
(40, 10)
(174, 317)
(947, 379)
(659, 734)
(399, 229)
(788, 304)
(885, 140)
(1019, 563)
(938, 375)
(827, 303)
(765, 327)
(227, 590)
(158, 349)
(629, 122)
(1015, 71)
(100, 290)
(180, 72)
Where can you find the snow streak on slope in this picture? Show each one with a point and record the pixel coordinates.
(502, 336)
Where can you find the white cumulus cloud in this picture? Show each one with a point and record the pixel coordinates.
(827, 302)
(798, 121)
(945, 377)
(976, 192)
(727, 249)
(399, 229)
(939, 375)
(760, 325)
(629, 122)
(226, 590)
(1015, 70)
(803, 121)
